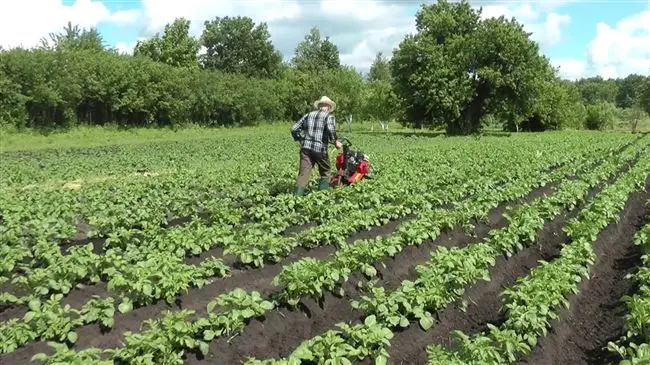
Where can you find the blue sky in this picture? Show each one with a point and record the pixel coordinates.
(566, 30)
(584, 17)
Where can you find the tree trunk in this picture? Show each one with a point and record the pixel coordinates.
(470, 119)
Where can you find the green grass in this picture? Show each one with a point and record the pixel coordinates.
(643, 126)
(95, 136)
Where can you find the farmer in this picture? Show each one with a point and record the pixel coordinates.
(319, 127)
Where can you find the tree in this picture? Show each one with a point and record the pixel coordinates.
(559, 106)
(629, 91)
(74, 38)
(600, 115)
(456, 69)
(429, 75)
(595, 89)
(644, 100)
(236, 45)
(381, 102)
(380, 69)
(176, 47)
(314, 54)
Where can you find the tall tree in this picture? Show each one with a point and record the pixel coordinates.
(315, 53)
(175, 47)
(629, 91)
(74, 38)
(595, 90)
(457, 68)
(236, 45)
(644, 100)
(379, 70)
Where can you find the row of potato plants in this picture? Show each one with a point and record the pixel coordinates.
(444, 278)
(538, 298)
(147, 202)
(81, 265)
(165, 340)
(309, 277)
(634, 346)
(369, 320)
(135, 274)
(371, 327)
(141, 277)
(142, 283)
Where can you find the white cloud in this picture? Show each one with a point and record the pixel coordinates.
(359, 28)
(569, 68)
(125, 17)
(547, 32)
(126, 48)
(620, 50)
(25, 22)
(361, 10)
(158, 13)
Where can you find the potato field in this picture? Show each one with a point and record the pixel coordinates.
(529, 248)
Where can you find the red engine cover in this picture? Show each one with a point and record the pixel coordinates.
(340, 160)
(363, 167)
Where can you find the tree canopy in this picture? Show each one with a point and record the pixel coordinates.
(314, 53)
(458, 68)
(176, 47)
(457, 71)
(236, 45)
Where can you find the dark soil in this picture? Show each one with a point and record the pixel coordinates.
(595, 315)
(483, 298)
(282, 330)
(317, 319)
(279, 332)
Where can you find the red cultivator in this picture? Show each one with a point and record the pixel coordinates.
(351, 166)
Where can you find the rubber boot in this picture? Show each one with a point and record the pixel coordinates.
(324, 185)
(299, 192)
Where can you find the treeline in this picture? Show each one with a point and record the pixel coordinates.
(456, 72)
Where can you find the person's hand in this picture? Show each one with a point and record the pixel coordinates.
(338, 144)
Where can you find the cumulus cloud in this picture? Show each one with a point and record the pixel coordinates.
(126, 48)
(546, 27)
(25, 22)
(622, 49)
(360, 29)
(570, 69)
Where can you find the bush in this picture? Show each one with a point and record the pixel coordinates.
(600, 116)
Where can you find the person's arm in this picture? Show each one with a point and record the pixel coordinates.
(331, 130)
(297, 127)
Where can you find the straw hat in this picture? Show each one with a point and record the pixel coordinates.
(325, 100)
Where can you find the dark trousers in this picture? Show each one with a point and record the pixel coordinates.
(308, 159)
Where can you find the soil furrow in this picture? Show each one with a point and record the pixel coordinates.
(279, 332)
(259, 279)
(595, 314)
(78, 296)
(483, 298)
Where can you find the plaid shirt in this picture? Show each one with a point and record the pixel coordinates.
(319, 128)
